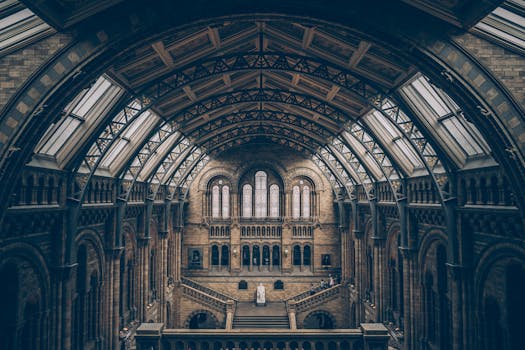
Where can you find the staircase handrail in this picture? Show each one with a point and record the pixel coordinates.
(317, 298)
(209, 291)
(205, 298)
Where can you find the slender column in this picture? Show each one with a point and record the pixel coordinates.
(379, 263)
(410, 300)
(291, 315)
(113, 288)
(69, 263)
(143, 257)
(163, 254)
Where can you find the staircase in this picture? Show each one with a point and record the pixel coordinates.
(273, 315)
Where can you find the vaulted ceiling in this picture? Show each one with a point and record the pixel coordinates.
(338, 95)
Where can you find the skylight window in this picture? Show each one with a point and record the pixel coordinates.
(392, 137)
(506, 25)
(444, 119)
(85, 111)
(19, 26)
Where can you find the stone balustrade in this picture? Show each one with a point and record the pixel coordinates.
(204, 298)
(319, 297)
(206, 290)
(153, 336)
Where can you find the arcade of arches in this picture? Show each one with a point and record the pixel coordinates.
(160, 160)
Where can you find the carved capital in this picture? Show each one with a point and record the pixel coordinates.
(457, 272)
(408, 253)
(114, 253)
(358, 234)
(143, 241)
(64, 272)
(163, 234)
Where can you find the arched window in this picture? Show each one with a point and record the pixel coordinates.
(225, 255)
(274, 201)
(297, 255)
(256, 255)
(266, 255)
(225, 202)
(307, 256)
(260, 194)
(276, 256)
(296, 202)
(220, 199)
(247, 201)
(215, 255)
(305, 202)
(215, 203)
(246, 255)
(302, 203)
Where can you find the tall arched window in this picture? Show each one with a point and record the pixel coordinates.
(220, 199)
(302, 203)
(297, 255)
(307, 256)
(274, 201)
(247, 201)
(225, 202)
(260, 194)
(214, 255)
(215, 204)
(305, 202)
(296, 202)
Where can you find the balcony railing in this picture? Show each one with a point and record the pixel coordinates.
(153, 336)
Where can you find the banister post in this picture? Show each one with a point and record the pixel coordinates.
(375, 336)
(149, 336)
(291, 314)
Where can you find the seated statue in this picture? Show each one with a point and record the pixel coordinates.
(261, 295)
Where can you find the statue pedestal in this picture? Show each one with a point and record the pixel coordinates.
(257, 303)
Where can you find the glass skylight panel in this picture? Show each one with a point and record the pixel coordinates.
(430, 96)
(506, 25)
(392, 137)
(141, 121)
(60, 136)
(444, 117)
(159, 153)
(84, 111)
(458, 131)
(20, 27)
(116, 150)
(91, 97)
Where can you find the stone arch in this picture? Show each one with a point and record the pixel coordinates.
(497, 309)
(211, 319)
(93, 238)
(212, 173)
(25, 299)
(314, 176)
(428, 241)
(323, 318)
(77, 56)
(275, 166)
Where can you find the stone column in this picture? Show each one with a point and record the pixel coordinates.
(143, 263)
(163, 256)
(286, 242)
(235, 247)
(410, 300)
(112, 288)
(380, 289)
(292, 315)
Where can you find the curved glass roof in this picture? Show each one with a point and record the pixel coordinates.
(335, 111)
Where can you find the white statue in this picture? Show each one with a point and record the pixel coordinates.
(261, 294)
